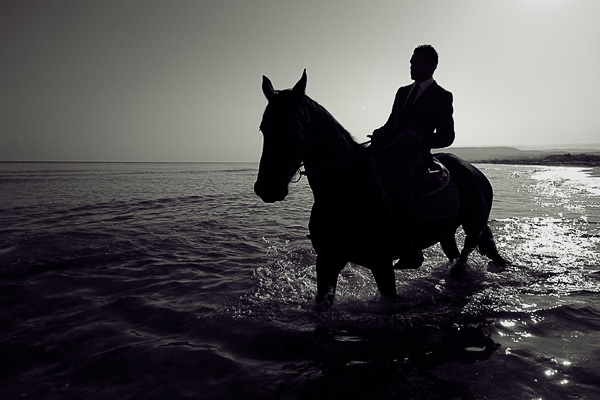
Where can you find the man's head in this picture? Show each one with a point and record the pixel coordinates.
(423, 63)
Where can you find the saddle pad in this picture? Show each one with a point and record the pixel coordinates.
(432, 180)
(442, 203)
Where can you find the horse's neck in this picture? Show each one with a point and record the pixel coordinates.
(344, 185)
(330, 144)
(322, 160)
(337, 167)
(338, 172)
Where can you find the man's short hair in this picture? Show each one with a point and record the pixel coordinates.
(429, 52)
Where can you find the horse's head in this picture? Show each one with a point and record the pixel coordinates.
(282, 147)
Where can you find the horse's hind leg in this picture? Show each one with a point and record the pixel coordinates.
(487, 247)
(459, 268)
(328, 270)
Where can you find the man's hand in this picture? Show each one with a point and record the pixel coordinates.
(407, 136)
(380, 137)
(383, 137)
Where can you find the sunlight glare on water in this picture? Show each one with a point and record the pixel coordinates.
(565, 191)
(576, 178)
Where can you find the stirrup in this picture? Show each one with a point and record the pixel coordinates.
(415, 262)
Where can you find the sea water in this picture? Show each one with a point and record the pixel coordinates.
(174, 281)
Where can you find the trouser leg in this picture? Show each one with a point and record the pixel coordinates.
(408, 226)
(399, 170)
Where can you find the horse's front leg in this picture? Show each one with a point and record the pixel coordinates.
(328, 270)
(383, 272)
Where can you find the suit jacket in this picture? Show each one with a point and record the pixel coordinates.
(430, 115)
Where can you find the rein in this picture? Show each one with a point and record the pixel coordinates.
(345, 160)
(314, 171)
(387, 201)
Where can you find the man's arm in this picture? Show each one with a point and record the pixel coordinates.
(443, 136)
(381, 135)
(389, 125)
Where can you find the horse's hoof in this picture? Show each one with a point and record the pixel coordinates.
(459, 269)
(324, 303)
(501, 262)
(497, 267)
(388, 300)
(322, 307)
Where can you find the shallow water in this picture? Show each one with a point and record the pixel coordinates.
(160, 280)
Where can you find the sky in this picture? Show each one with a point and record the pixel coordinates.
(175, 80)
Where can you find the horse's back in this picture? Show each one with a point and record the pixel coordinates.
(476, 194)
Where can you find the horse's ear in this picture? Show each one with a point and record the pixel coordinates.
(267, 88)
(300, 87)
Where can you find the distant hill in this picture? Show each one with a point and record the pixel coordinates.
(474, 154)
(485, 153)
(512, 155)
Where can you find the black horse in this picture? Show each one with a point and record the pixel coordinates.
(350, 219)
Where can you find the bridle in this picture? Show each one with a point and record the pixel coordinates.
(296, 171)
(315, 171)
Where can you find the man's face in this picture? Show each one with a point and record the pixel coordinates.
(420, 69)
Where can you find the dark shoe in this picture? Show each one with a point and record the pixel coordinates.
(412, 260)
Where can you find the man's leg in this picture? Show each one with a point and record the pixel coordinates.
(407, 218)
(408, 224)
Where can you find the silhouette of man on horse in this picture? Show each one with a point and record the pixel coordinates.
(421, 119)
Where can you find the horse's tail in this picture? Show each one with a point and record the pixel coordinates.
(476, 196)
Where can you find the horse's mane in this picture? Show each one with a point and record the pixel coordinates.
(322, 123)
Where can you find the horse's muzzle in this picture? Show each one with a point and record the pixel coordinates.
(270, 193)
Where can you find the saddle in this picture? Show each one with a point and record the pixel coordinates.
(437, 195)
(432, 180)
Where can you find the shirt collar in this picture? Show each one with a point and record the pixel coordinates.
(425, 84)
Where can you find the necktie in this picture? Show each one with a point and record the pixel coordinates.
(411, 97)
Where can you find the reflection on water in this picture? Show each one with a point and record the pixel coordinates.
(177, 274)
(525, 331)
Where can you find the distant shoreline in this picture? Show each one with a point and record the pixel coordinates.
(564, 160)
(591, 161)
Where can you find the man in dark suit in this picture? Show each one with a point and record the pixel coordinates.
(421, 119)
